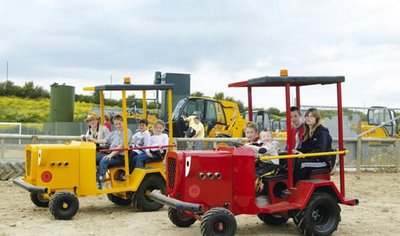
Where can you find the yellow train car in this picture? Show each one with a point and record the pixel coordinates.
(58, 174)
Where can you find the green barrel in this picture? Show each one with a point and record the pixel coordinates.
(62, 100)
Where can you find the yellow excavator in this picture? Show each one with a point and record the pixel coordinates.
(382, 123)
(263, 121)
(221, 118)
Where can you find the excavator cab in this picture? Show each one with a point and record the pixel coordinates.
(219, 117)
(383, 116)
(260, 118)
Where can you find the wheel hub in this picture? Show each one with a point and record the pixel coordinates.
(315, 215)
(64, 205)
(220, 227)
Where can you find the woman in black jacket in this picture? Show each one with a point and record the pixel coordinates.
(316, 138)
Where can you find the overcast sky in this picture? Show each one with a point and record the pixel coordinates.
(82, 43)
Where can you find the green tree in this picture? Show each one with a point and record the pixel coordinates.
(153, 105)
(219, 96)
(197, 94)
(131, 100)
(96, 97)
(28, 90)
(84, 98)
(274, 111)
(9, 89)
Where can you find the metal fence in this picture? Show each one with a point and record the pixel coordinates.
(365, 154)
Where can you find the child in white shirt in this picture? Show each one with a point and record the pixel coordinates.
(139, 139)
(159, 139)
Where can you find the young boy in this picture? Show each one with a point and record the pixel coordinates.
(251, 134)
(116, 140)
(140, 139)
(158, 139)
(264, 146)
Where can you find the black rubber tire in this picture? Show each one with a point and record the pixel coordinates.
(119, 200)
(141, 201)
(179, 219)
(63, 205)
(320, 217)
(271, 219)
(218, 221)
(39, 200)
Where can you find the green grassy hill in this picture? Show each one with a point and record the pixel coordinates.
(14, 109)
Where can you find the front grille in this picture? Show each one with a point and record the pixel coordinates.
(28, 161)
(171, 165)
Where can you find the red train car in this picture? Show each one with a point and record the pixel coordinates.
(214, 186)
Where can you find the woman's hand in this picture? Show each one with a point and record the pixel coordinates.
(294, 151)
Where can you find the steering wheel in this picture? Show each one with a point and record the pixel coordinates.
(236, 144)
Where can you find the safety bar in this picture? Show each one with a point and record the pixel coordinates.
(304, 155)
(134, 148)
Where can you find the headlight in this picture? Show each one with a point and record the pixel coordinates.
(39, 156)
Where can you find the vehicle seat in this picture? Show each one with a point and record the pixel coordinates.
(155, 159)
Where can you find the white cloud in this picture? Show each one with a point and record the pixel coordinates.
(85, 42)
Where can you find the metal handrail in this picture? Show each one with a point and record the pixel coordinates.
(38, 137)
(65, 137)
(304, 155)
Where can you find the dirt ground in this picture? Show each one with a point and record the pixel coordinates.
(377, 214)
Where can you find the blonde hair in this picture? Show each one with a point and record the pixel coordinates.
(251, 125)
(159, 122)
(308, 132)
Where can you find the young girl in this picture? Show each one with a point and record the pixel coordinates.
(316, 138)
(95, 130)
(158, 139)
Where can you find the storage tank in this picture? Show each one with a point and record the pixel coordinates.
(62, 100)
(181, 89)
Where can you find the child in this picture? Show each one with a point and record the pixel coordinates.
(158, 139)
(107, 122)
(140, 139)
(116, 140)
(251, 134)
(269, 147)
(266, 146)
(95, 130)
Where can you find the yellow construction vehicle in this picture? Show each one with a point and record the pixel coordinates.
(382, 123)
(221, 118)
(135, 115)
(263, 121)
(278, 127)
